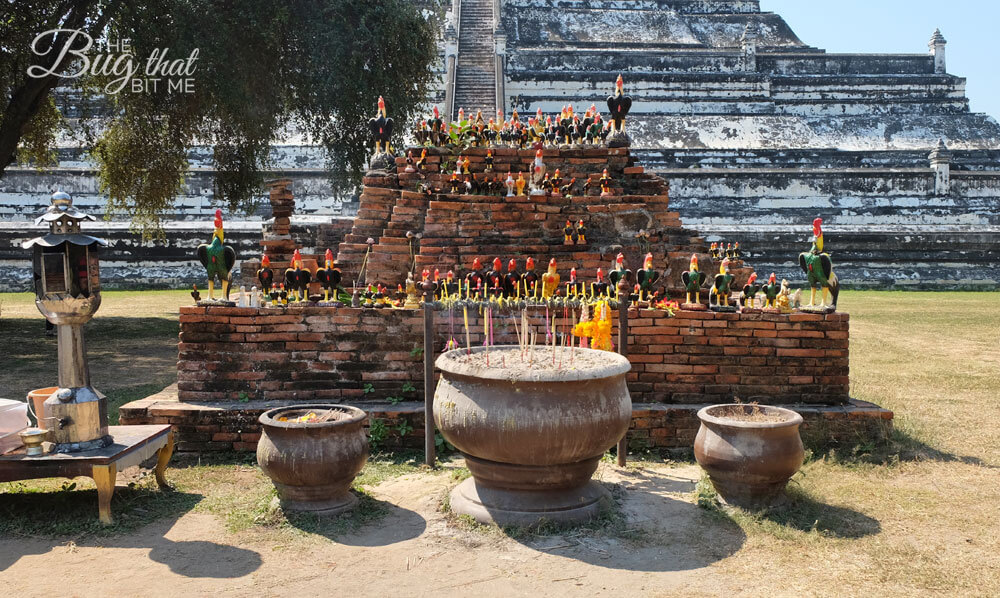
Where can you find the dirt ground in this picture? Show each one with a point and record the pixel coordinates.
(416, 550)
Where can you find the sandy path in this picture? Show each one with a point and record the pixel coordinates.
(414, 551)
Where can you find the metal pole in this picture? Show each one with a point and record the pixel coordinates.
(429, 456)
(623, 302)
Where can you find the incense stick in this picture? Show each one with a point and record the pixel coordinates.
(468, 336)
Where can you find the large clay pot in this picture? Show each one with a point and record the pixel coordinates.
(531, 438)
(749, 462)
(313, 464)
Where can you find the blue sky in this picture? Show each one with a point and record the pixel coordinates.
(970, 26)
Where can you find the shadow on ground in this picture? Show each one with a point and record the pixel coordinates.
(652, 526)
(373, 522)
(899, 447)
(33, 523)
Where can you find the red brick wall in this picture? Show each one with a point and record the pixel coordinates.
(347, 354)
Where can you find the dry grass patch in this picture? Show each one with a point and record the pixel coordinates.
(930, 499)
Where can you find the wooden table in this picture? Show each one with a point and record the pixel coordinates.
(132, 445)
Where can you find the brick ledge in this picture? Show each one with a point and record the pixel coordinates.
(233, 426)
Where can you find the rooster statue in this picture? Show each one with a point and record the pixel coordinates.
(530, 278)
(619, 272)
(297, 278)
(381, 128)
(718, 295)
(265, 275)
(647, 277)
(538, 169)
(218, 259)
(693, 279)
(619, 105)
(771, 291)
(550, 281)
(749, 295)
(819, 270)
(329, 277)
(512, 280)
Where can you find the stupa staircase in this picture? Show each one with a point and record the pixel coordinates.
(475, 75)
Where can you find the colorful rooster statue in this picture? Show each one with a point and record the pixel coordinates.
(693, 279)
(819, 270)
(750, 290)
(647, 277)
(218, 259)
(771, 291)
(381, 128)
(265, 276)
(476, 279)
(550, 281)
(718, 295)
(512, 280)
(574, 287)
(297, 278)
(599, 288)
(530, 278)
(329, 276)
(618, 272)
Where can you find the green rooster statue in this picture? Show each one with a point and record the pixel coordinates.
(218, 259)
(771, 291)
(819, 270)
(693, 279)
(718, 295)
(647, 277)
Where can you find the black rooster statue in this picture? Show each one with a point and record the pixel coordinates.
(381, 127)
(329, 277)
(265, 276)
(297, 279)
(619, 105)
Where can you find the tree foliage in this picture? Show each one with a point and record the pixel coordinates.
(266, 69)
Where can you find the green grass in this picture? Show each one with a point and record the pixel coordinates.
(131, 345)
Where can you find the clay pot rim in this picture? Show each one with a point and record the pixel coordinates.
(617, 366)
(793, 418)
(356, 416)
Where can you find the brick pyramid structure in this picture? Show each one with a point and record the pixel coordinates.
(448, 231)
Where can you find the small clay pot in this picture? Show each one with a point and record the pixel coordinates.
(749, 462)
(312, 464)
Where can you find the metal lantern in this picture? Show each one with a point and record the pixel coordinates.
(68, 293)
